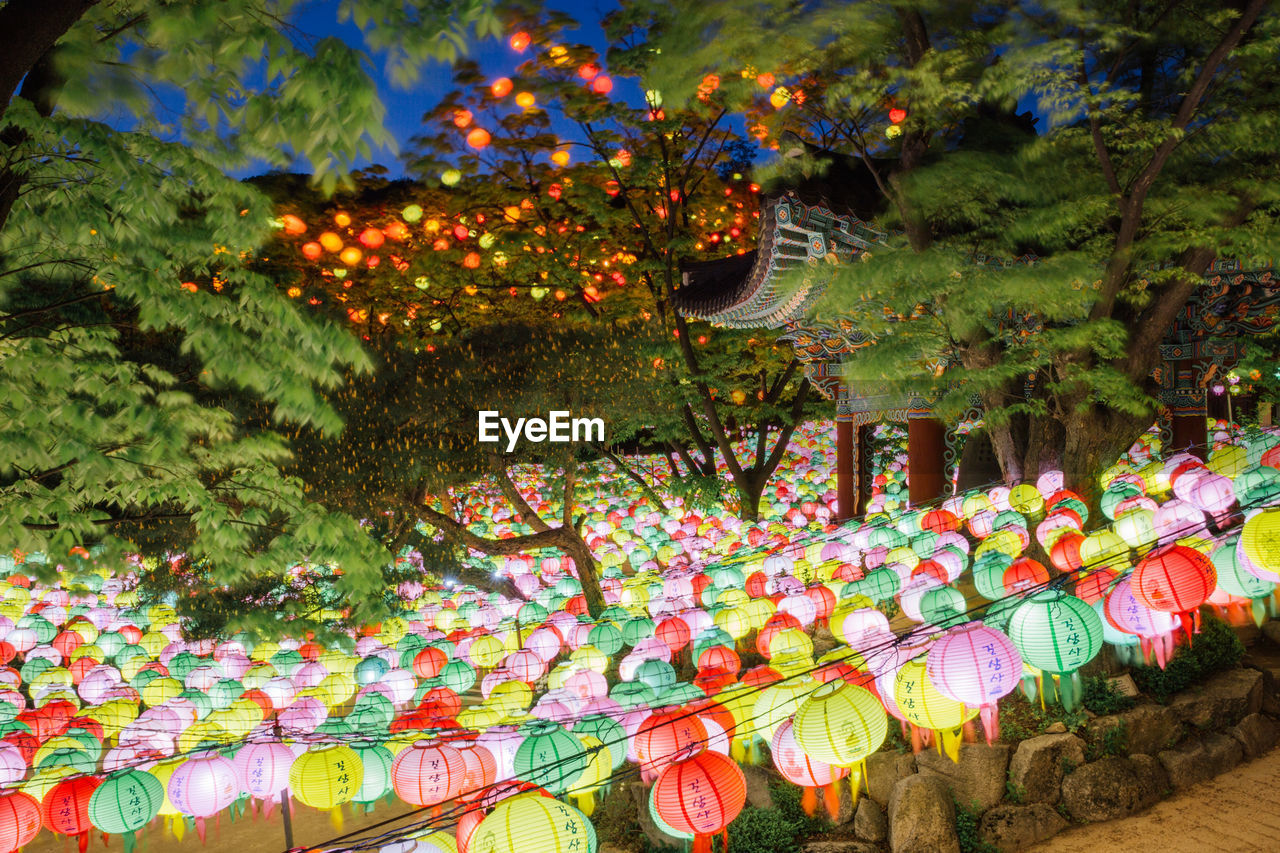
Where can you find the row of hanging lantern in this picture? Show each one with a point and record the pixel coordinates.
(468, 689)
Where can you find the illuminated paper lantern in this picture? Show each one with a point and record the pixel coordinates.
(533, 822)
(326, 776)
(701, 795)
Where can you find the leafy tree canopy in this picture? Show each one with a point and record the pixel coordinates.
(136, 329)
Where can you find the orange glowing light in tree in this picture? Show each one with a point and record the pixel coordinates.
(312, 250)
(897, 115)
(190, 286)
(462, 118)
(397, 230)
(331, 242)
(602, 85)
(502, 87)
(472, 260)
(372, 238)
(520, 41)
(478, 138)
(350, 256)
(561, 296)
(342, 220)
(765, 80)
(560, 157)
(525, 100)
(555, 191)
(461, 232)
(293, 225)
(588, 71)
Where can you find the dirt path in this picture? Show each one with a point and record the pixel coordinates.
(1238, 812)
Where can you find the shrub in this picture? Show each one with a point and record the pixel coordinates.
(967, 821)
(762, 831)
(1214, 649)
(1102, 698)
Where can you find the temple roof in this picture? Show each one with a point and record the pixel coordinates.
(800, 245)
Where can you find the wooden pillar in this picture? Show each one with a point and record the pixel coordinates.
(926, 444)
(1188, 412)
(846, 470)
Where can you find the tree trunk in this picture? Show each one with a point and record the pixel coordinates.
(574, 545)
(749, 505)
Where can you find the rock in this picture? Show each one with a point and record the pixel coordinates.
(1056, 728)
(884, 769)
(1186, 764)
(1256, 733)
(841, 846)
(1104, 790)
(1223, 752)
(1196, 760)
(1147, 729)
(1011, 828)
(1153, 781)
(869, 823)
(758, 779)
(978, 779)
(846, 810)
(1271, 630)
(1038, 765)
(1222, 701)
(922, 817)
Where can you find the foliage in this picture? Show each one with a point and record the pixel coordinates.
(1215, 649)
(968, 822)
(1142, 164)
(616, 823)
(1020, 719)
(1101, 696)
(1113, 741)
(761, 831)
(787, 802)
(137, 329)
(609, 232)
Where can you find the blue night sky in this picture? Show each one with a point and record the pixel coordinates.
(406, 108)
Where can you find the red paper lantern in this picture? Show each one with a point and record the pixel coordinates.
(428, 773)
(667, 735)
(673, 631)
(701, 795)
(428, 661)
(19, 820)
(65, 809)
(1175, 579)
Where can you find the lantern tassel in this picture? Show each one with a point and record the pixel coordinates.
(82, 841)
(738, 750)
(1065, 693)
(856, 773)
(179, 826)
(990, 715)
(130, 841)
(335, 818)
(809, 800)
(702, 843)
(1259, 608)
(831, 797)
(200, 829)
(950, 739)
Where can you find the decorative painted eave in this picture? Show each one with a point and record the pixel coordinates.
(795, 237)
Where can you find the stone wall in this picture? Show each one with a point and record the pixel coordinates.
(1030, 792)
